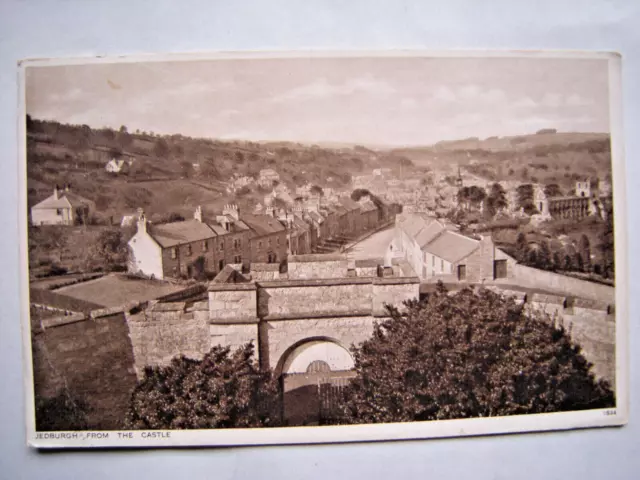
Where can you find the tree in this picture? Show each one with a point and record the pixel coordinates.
(109, 252)
(552, 190)
(316, 190)
(585, 252)
(223, 390)
(468, 355)
(496, 200)
(522, 247)
(161, 148)
(525, 197)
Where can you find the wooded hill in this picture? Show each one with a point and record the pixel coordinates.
(173, 173)
(547, 157)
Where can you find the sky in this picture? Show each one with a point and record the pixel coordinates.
(389, 101)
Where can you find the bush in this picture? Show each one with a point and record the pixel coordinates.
(223, 390)
(60, 413)
(468, 355)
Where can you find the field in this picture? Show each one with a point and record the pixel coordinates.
(115, 290)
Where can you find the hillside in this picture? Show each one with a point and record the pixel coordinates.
(545, 158)
(173, 173)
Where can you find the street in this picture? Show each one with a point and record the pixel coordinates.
(374, 246)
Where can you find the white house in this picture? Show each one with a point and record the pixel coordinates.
(268, 177)
(116, 166)
(436, 251)
(62, 208)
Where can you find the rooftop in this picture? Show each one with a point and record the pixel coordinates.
(176, 233)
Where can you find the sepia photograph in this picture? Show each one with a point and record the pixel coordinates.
(307, 247)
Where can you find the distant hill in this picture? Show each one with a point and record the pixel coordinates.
(544, 157)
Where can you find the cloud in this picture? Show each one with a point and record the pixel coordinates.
(68, 96)
(575, 100)
(322, 88)
(524, 102)
(469, 93)
(409, 103)
(552, 100)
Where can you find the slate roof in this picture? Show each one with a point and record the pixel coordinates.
(349, 204)
(263, 224)
(64, 200)
(368, 206)
(177, 233)
(451, 246)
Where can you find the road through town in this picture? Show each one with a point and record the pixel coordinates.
(374, 246)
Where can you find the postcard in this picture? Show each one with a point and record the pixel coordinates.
(258, 248)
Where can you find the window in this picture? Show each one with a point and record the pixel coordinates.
(441, 265)
(188, 249)
(500, 269)
(259, 245)
(433, 262)
(58, 211)
(174, 253)
(205, 246)
(220, 264)
(278, 240)
(237, 243)
(221, 245)
(237, 259)
(462, 272)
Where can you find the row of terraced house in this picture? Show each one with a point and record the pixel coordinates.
(202, 246)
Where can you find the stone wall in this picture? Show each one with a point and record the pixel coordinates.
(393, 291)
(592, 328)
(295, 299)
(284, 335)
(235, 303)
(234, 336)
(304, 267)
(533, 278)
(165, 330)
(93, 358)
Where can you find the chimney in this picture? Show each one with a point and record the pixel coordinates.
(198, 214)
(232, 211)
(271, 211)
(142, 221)
(55, 192)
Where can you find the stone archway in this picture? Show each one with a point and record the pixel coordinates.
(313, 372)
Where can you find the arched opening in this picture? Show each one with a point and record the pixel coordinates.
(313, 374)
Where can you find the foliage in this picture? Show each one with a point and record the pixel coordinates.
(496, 200)
(60, 413)
(223, 390)
(109, 251)
(469, 355)
(471, 196)
(552, 190)
(316, 190)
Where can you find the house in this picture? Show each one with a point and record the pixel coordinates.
(62, 208)
(234, 236)
(268, 177)
(172, 250)
(369, 212)
(189, 248)
(583, 203)
(268, 243)
(437, 251)
(116, 166)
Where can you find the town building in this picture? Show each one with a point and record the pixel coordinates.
(268, 240)
(190, 248)
(437, 251)
(63, 207)
(267, 177)
(583, 203)
(116, 165)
